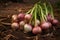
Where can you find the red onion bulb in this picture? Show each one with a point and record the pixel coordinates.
(28, 16)
(45, 25)
(49, 18)
(36, 30)
(21, 16)
(54, 22)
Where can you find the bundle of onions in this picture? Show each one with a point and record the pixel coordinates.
(36, 29)
(39, 18)
(44, 23)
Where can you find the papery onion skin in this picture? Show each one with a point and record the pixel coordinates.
(27, 28)
(15, 25)
(14, 18)
(28, 17)
(54, 21)
(46, 25)
(37, 22)
(36, 30)
(21, 16)
(21, 24)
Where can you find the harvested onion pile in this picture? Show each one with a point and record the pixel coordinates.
(39, 18)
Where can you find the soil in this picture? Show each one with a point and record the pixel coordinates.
(6, 32)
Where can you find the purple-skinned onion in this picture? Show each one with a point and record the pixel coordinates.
(54, 21)
(21, 16)
(49, 18)
(36, 30)
(28, 17)
(46, 25)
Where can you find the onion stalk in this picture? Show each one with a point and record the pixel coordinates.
(51, 11)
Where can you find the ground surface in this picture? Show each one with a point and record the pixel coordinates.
(14, 8)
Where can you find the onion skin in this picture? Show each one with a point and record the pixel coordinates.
(49, 18)
(21, 24)
(21, 16)
(54, 21)
(36, 30)
(37, 22)
(15, 25)
(14, 18)
(27, 28)
(46, 25)
(28, 17)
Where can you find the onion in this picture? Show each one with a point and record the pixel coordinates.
(55, 22)
(21, 24)
(27, 28)
(49, 17)
(14, 18)
(15, 25)
(36, 30)
(21, 16)
(46, 25)
(37, 22)
(28, 16)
